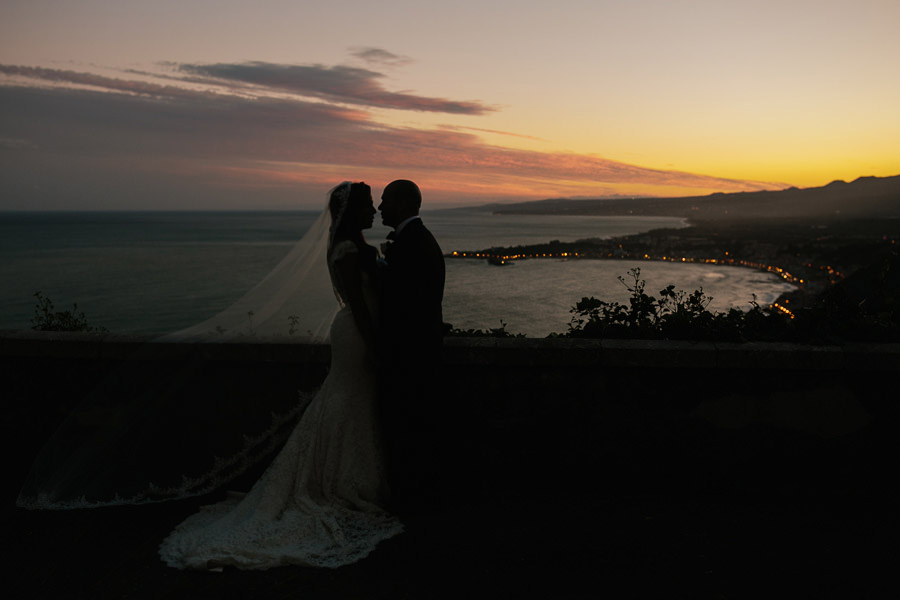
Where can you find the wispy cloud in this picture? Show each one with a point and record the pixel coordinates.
(493, 131)
(17, 144)
(112, 84)
(349, 85)
(337, 84)
(380, 56)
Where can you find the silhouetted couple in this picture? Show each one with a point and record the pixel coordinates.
(366, 446)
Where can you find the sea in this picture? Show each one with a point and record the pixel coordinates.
(157, 272)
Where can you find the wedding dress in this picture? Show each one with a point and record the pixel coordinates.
(135, 440)
(107, 451)
(319, 502)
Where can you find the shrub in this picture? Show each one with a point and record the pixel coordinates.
(499, 332)
(47, 319)
(672, 315)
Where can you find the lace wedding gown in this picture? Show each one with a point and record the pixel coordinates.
(319, 502)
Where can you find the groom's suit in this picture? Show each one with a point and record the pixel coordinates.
(411, 331)
(412, 291)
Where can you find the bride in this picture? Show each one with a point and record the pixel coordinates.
(320, 502)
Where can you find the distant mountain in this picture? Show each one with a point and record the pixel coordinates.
(866, 197)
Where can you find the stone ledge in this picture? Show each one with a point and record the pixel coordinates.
(505, 352)
(116, 346)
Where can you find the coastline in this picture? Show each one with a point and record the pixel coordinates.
(812, 252)
(177, 270)
(814, 237)
(786, 248)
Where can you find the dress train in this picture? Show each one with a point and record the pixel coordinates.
(320, 501)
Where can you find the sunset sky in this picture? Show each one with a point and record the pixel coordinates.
(123, 104)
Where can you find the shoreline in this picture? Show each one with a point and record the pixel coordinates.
(779, 303)
(814, 263)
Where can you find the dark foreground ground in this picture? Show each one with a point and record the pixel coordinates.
(615, 545)
(608, 503)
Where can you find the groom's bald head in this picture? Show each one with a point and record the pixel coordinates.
(400, 200)
(405, 191)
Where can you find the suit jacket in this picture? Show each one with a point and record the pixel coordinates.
(412, 284)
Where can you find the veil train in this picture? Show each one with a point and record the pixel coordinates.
(293, 300)
(163, 430)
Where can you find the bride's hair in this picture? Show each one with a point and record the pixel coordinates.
(340, 199)
(344, 195)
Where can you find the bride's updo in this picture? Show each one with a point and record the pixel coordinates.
(346, 197)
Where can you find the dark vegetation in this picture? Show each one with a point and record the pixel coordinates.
(47, 318)
(863, 308)
(672, 315)
(490, 332)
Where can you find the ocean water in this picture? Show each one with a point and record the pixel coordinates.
(155, 272)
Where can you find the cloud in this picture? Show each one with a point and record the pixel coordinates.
(97, 81)
(456, 152)
(17, 144)
(341, 84)
(137, 142)
(379, 56)
(191, 124)
(348, 85)
(494, 131)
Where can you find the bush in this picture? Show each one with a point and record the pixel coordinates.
(47, 319)
(499, 332)
(672, 315)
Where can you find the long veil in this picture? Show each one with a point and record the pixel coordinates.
(294, 300)
(161, 430)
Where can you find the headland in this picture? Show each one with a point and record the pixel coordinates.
(813, 237)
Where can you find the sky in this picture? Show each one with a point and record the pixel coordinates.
(122, 104)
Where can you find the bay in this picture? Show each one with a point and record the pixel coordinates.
(155, 272)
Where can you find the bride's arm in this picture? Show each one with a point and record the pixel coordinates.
(348, 268)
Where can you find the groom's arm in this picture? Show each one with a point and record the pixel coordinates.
(419, 276)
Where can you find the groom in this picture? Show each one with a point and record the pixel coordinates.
(411, 331)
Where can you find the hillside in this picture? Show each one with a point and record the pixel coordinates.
(866, 197)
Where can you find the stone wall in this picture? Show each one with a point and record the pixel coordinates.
(535, 415)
